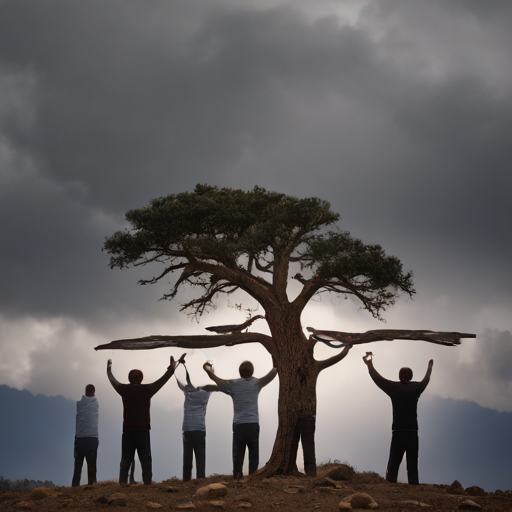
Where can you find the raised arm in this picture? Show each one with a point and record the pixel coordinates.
(267, 379)
(426, 379)
(322, 365)
(158, 384)
(180, 385)
(209, 387)
(189, 386)
(115, 383)
(374, 374)
(220, 382)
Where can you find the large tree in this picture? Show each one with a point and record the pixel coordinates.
(222, 240)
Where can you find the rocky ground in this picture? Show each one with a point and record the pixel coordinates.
(337, 487)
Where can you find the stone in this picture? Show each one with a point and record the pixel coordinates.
(244, 504)
(469, 505)
(340, 473)
(211, 491)
(170, 488)
(361, 500)
(293, 489)
(345, 506)
(415, 503)
(25, 505)
(102, 500)
(475, 491)
(183, 506)
(41, 493)
(152, 505)
(455, 488)
(118, 495)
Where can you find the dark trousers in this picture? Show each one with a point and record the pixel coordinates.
(85, 448)
(136, 440)
(246, 435)
(305, 432)
(403, 441)
(194, 441)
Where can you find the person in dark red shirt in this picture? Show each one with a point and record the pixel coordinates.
(136, 418)
(404, 398)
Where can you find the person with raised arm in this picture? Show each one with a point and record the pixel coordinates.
(194, 426)
(404, 396)
(246, 426)
(136, 418)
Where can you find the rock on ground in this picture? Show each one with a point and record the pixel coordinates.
(211, 491)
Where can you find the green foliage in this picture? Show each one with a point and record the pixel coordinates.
(218, 237)
(220, 225)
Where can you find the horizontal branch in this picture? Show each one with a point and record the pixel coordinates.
(202, 341)
(449, 339)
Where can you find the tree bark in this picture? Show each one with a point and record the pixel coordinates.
(298, 372)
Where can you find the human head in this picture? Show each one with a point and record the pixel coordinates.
(135, 377)
(246, 370)
(405, 374)
(90, 390)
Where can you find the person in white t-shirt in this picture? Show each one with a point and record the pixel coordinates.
(246, 426)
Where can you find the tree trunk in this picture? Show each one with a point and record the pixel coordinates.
(297, 387)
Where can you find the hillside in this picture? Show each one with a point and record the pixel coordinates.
(335, 484)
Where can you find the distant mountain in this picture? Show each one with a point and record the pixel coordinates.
(462, 441)
(36, 436)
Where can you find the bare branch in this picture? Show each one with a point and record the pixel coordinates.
(172, 268)
(438, 337)
(202, 341)
(224, 329)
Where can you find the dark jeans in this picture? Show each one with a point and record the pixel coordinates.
(246, 435)
(85, 448)
(305, 431)
(403, 441)
(194, 441)
(136, 440)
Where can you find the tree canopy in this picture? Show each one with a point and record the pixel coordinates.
(221, 240)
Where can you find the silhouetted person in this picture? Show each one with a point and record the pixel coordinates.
(86, 436)
(136, 419)
(404, 397)
(246, 426)
(194, 427)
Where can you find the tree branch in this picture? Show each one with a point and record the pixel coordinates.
(438, 337)
(201, 341)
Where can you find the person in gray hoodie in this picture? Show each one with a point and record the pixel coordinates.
(86, 436)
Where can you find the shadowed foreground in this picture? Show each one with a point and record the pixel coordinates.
(336, 483)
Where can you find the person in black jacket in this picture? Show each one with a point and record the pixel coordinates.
(404, 398)
(136, 419)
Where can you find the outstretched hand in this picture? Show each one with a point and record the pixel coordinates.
(182, 358)
(368, 358)
(431, 363)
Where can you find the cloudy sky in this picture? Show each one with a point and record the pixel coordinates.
(399, 113)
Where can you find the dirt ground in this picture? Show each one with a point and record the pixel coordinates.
(280, 494)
